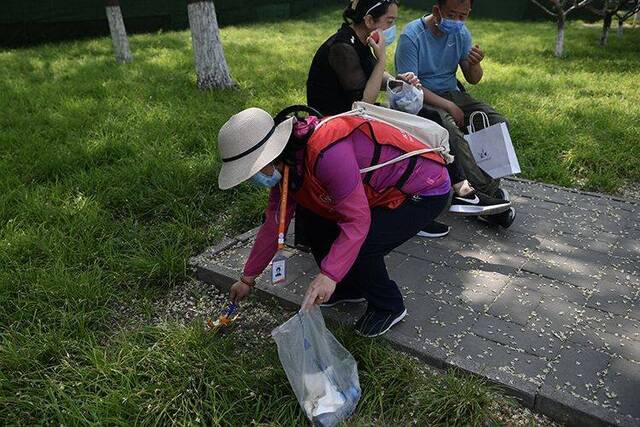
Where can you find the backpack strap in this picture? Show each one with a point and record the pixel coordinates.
(400, 158)
(407, 173)
(377, 150)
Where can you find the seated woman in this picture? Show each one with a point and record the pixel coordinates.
(350, 66)
(358, 217)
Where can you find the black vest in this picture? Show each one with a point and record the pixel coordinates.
(324, 91)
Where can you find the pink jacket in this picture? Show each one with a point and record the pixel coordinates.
(338, 170)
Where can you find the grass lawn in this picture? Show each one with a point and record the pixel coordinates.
(108, 184)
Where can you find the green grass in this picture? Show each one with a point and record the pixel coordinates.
(178, 375)
(108, 184)
(574, 120)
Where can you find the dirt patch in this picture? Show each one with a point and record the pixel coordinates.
(196, 301)
(631, 191)
(517, 416)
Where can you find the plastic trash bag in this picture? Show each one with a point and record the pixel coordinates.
(405, 97)
(322, 373)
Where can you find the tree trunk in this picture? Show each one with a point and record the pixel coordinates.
(605, 29)
(560, 37)
(620, 28)
(211, 66)
(118, 32)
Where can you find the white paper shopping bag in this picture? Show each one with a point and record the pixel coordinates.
(492, 147)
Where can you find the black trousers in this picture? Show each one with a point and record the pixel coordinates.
(368, 277)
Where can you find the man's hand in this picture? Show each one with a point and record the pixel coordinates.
(410, 78)
(456, 113)
(476, 55)
(319, 291)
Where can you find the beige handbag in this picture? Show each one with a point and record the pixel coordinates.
(424, 130)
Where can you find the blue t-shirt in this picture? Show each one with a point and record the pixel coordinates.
(433, 59)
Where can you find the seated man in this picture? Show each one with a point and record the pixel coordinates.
(432, 47)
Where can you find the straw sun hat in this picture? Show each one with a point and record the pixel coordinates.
(247, 142)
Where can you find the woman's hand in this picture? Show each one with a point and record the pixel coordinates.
(378, 46)
(319, 291)
(241, 289)
(410, 78)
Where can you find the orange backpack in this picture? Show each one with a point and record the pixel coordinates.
(333, 129)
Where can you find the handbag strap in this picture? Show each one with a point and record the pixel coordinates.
(485, 120)
(402, 157)
(355, 112)
(359, 111)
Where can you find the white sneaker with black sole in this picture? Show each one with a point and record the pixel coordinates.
(478, 203)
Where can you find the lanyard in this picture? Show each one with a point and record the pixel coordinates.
(284, 192)
(279, 264)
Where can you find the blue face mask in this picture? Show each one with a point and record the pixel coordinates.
(450, 26)
(266, 180)
(389, 35)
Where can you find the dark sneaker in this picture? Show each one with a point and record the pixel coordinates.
(434, 230)
(374, 323)
(504, 219)
(503, 194)
(335, 301)
(342, 297)
(478, 203)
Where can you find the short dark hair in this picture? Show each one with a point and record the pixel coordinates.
(356, 15)
(442, 3)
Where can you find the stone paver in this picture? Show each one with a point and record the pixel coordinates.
(549, 309)
(619, 388)
(521, 372)
(515, 304)
(523, 338)
(578, 371)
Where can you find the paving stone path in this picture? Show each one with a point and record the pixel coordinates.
(549, 309)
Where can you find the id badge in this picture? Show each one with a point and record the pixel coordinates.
(279, 270)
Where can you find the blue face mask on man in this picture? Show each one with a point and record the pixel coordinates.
(266, 180)
(450, 26)
(389, 35)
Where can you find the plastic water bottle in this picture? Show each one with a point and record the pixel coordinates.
(332, 419)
